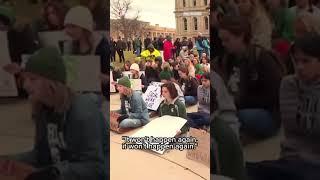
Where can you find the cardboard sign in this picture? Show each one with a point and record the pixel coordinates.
(82, 72)
(112, 86)
(15, 170)
(202, 153)
(152, 97)
(165, 126)
(57, 39)
(136, 84)
(129, 74)
(8, 86)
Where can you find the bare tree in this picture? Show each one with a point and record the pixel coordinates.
(122, 23)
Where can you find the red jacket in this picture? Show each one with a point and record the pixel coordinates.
(167, 50)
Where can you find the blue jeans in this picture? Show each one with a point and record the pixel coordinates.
(138, 52)
(130, 123)
(198, 119)
(257, 122)
(190, 100)
(282, 169)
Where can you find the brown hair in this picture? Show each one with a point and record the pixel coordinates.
(61, 11)
(237, 26)
(184, 69)
(171, 88)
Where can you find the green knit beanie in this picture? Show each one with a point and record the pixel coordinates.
(8, 13)
(47, 62)
(125, 82)
(165, 75)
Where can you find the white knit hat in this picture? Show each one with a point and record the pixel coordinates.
(80, 16)
(135, 66)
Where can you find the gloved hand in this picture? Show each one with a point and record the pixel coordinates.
(50, 173)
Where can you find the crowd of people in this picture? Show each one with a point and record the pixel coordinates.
(182, 69)
(69, 143)
(265, 73)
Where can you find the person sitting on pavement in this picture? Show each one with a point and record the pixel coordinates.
(165, 77)
(134, 69)
(201, 118)
(171, 105)
(300, 113)
(189, 86)
(133, 112)
(71, 134)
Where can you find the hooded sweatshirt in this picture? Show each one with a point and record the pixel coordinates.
(300, 112)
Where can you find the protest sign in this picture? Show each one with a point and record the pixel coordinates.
(112, 86)
(129, 74)
(82, 72)
(202, 153)
(8, 86)
(136, 84)
(165, 127)
(152, 97)
(56, 39)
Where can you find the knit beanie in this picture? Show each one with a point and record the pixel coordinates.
(165, 75)
(135, 67)
(124, 82)
(47, 62)
(80, 16)
(8, 14)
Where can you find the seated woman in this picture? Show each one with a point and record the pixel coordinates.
(79, 26)
(201, 118)
(134, 69)
(134, 112)
(171, 105)
(189, 86)
(71, 135)
(166, 77)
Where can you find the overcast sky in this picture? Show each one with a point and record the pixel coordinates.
(156, 12)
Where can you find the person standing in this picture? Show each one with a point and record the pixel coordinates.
(137, 46)
(177, 46)
(147, 41)
(120, 49)
(167, 49)
(129, 45)
(113, 46)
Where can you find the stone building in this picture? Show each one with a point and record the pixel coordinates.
(192, 17)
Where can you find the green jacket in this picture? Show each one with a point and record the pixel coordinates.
(176, 108)
(284, 22)
(226, 152)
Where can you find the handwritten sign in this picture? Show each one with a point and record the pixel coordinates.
(136, 84)
(202, 153)
(152, 97)
(57, 39)
(129, 74)
(112, 86)
(8, 86)
(80, 77)
(165, 126)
